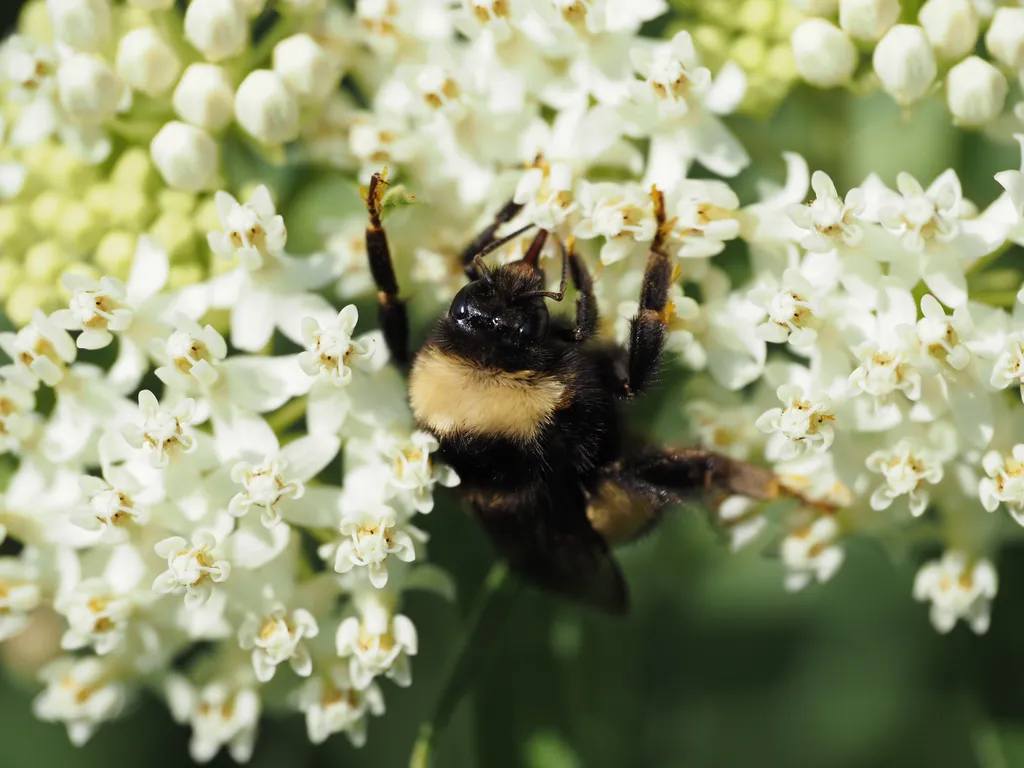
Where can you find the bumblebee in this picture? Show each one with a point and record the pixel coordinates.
(528, 409)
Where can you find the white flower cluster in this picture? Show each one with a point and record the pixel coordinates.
(151, 524)
(911, 61)
(877, 375)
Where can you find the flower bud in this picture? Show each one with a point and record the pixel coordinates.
(1005, 38)
(81, 24)
(204, 97)
(216, 28)
(951, 26)
(305, 68)
(186, 156)
(151, 5)
(905, 63)
(975, 91)
(266, 108)
(146, 62)
(868, 19)
(823, 53)
(89, 90)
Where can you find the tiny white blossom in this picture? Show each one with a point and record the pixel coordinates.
(332, 705)
(163, 433)
(620, 213)
(378, 644)
(906, 467)
(885, 370)
(793, 311)
(192, 353)
(97, 616)
(253, 231)
(20, 594)
(18, 420)
(40, 352)
(330, 350)
(742, 519)
(114, 504)
(1009, 366)
(221, 714)
(276, 637)
(97, 308)
(811, 553)
(958, 587)
(942, 336)
(82, 693)
(1005, 482)
(546, 191)
(371, 535)
(413, 470)
(829, 219)
(193, 569)
(264, 486)
(805, 423)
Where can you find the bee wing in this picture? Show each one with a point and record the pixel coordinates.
(547, 539)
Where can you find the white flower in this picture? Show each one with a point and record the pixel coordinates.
(305, 68)
(824, 54)
(906, 468)
(330, 350)
(97, 308)
(332, 705)
(193, 569)
(82, 693)
(266, 109)
(905, 63)
(975, 91)
(1009, 366)
(412, 469)
(829, 219)
(163, 433)
(546, 191)
(951, 26)
(705, 214)
(114, 504)
(187, 157)
(1005, 37)
(276, 637)
(621, 213)
(19, 595)
(146, 62)
(204, 97)
(942, 336)
(811, 553)
(673, 74)
(220, 713)
(868, 19)
(885, 370)
(805, 423)
(379, 643)
(727, 429)
(793, 311)
(216, 28)
(1005, 482)
(252, 231)
(958, 587)
(742, 519)
(373, 533)
(89, 90)
(276, 485)
(192, 354)
(18, 420)
(40, 353)
(97, 616)
(81, 24)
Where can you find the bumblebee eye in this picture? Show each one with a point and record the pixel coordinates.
(536, 325)
(460, 304)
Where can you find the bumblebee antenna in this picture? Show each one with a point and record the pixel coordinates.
(560, 293)
(478, 260)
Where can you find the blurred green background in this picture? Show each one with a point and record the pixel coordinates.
(716, 665)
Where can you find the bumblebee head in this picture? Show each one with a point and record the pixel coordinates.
(504, 307)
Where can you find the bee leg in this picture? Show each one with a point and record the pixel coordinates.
(486, 236)
(647, 328)
(586, 303)
(680, 475)
(394, 321)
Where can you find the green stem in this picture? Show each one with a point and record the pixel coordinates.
(979, 264)
(287, 414)
(482, 626)
(1005, 299)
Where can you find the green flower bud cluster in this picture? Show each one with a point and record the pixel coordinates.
(751, 33)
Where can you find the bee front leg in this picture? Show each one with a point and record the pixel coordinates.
(586, 303)
(394, 321)
(486, 237)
